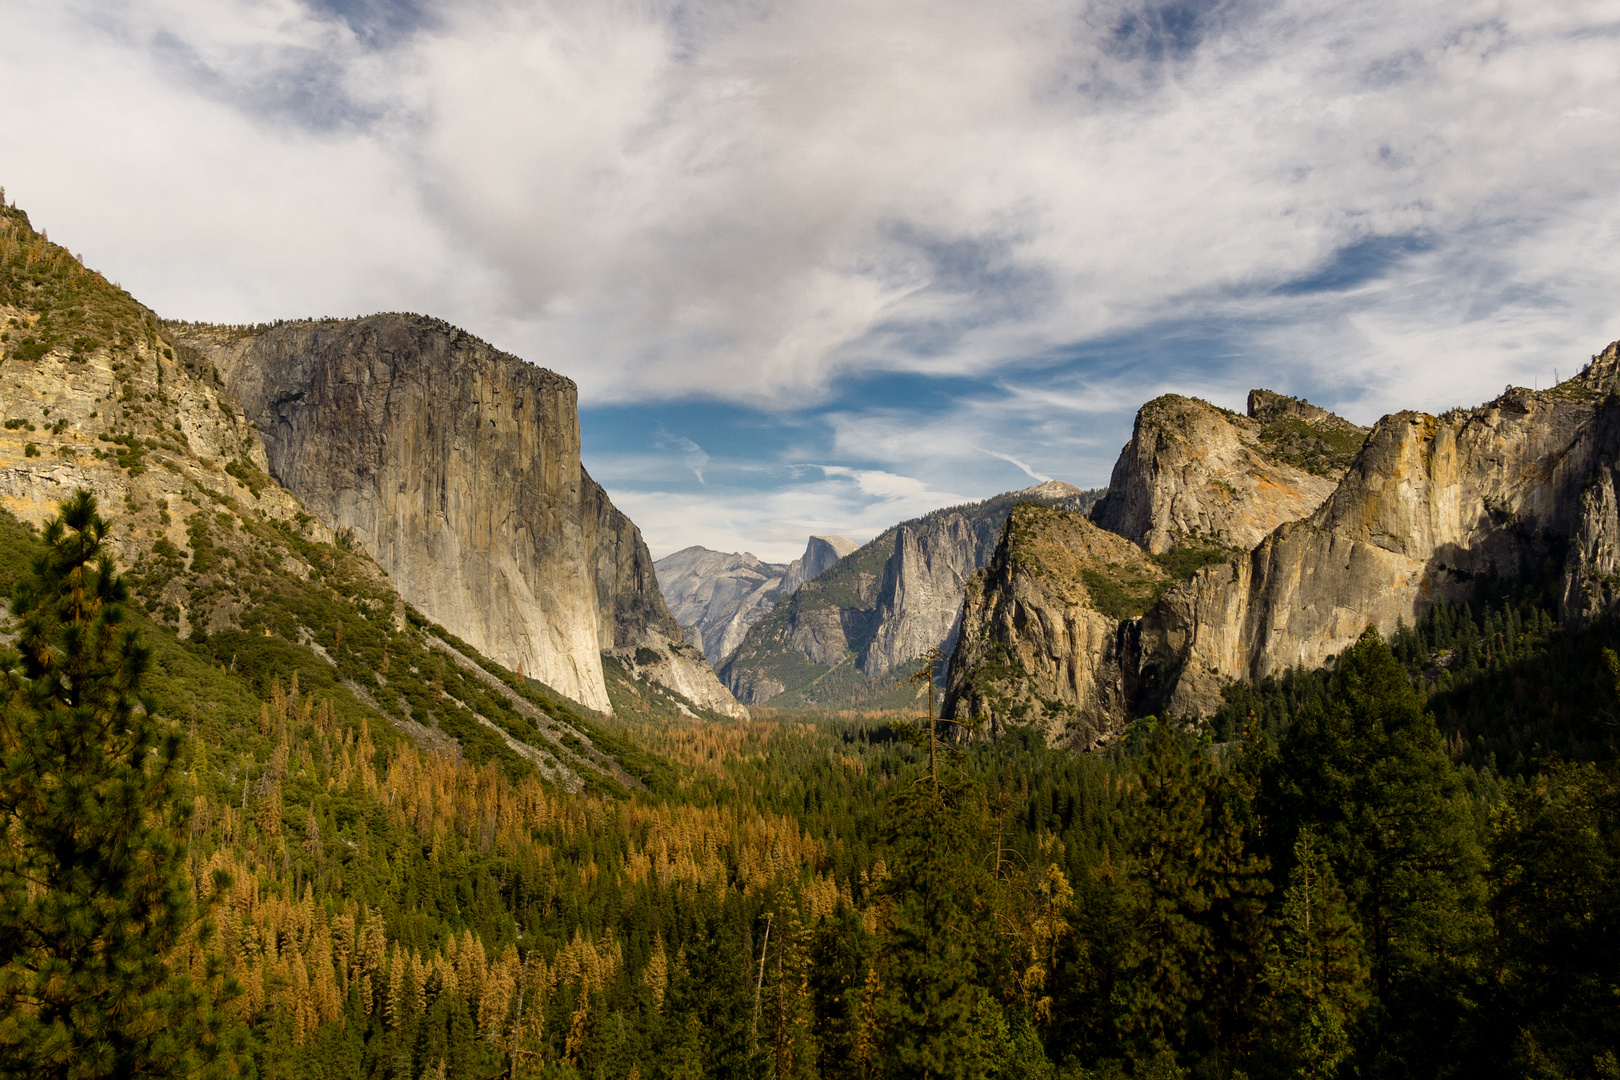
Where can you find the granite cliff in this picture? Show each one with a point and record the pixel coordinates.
(1051, 629)
(1429, 506)
(846, 638)
(456, 466)
(716, 596)
(1432, 504)
(238, 589)
(1194, 474)
(1047, 639)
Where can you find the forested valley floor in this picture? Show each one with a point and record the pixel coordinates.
(1405, 866)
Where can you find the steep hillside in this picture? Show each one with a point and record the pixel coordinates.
(96, 395)
(717, 596)
(845, 639)
(456, 466)
(1197, 475)
(1432, 505)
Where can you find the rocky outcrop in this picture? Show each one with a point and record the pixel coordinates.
(1042, 642)
(716, 597)
(456, 466)
(878, 609)
(921, 597)
(1197, 475)
(1430, 506)
(94, 396)
(821, 554)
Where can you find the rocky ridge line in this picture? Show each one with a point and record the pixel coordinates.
(1429, 505)
(846, 638)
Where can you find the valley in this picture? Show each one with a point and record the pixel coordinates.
(1290, 752)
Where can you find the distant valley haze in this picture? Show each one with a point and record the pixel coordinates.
(819, 267)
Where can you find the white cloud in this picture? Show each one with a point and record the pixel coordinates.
(746, 202)
(754, 202)
(691, 453)
(775, 524)
(1031, 473)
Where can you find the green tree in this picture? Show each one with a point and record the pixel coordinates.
(1364, 768)
(93, 891)
(1556, 879)
(839, 962)
(1192, 965)
(1318, 972)
(934, 1016)
(1171, 865)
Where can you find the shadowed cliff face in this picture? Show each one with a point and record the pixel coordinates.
(1042, 642)
(848, 638)
(457, 467)
(1431, 504)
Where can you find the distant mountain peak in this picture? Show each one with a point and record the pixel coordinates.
(1051, 489)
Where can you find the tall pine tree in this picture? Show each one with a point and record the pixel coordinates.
(93, 891)
(934, 1017)
(1318, 972)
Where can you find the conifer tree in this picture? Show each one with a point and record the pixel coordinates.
(1319, 970)
(93, 892)
(1366, 771)
(1172, 865)
(933, 961)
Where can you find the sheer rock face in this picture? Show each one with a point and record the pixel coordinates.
(923, 585)
(717, 596)
(1195, 474)
(821, 554)
(457, 467)
(1034, 648)
(1430, 505)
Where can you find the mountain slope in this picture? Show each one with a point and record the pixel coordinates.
(1432, 505)
(96, 395)
(843, 639)
(1043, 633)
(1195, 474)
(1429, 507)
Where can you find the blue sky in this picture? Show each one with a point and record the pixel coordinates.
(820, 265)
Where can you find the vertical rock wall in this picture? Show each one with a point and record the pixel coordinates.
(457, 467)
(1429, 506)
(1432, 504)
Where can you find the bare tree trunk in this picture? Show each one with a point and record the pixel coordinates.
(759, 987)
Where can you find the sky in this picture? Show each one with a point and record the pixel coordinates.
(817, 267)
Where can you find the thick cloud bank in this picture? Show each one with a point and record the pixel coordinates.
(1041, 210)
